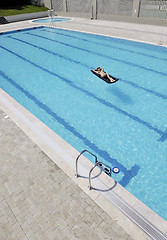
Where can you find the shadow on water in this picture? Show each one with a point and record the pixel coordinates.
(125, 98)
(128, 173)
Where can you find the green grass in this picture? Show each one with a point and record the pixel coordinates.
(21, 10)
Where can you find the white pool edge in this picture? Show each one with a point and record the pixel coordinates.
(39, 23)
(90, 32)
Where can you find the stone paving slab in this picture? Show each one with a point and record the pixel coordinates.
(39, 201)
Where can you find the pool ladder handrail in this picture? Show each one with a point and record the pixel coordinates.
(51, 16)
(77, 175)
(150, 229)
(96, 164)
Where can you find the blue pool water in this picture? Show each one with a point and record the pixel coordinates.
(124, 124)
(48, 20)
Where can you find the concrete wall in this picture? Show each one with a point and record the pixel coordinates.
(47, 3)
(139, 11)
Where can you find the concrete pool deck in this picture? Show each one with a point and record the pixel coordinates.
(33, 186)
(40, 201)
(132, 31)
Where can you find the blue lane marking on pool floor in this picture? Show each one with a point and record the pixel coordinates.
(50, 52)
(128, 174)
(90, 67)
(157, 94)
(98, 43)
(99, 54)
(163, 136)
(119, 110)
(21, 30)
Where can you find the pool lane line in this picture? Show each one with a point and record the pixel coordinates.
(20, 30)
(135, 85)
(99, 54)
(50, 52)
(90, 67)
(106, 45)
(163, 136)
(102, 101)
(128, 174)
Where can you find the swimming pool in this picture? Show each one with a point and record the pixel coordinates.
(124, 124)
(48, 20)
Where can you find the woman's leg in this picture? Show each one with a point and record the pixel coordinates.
(110, 78)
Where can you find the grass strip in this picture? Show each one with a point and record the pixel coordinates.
(21, 9)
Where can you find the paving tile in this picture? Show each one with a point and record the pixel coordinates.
(42, 236)
(2, 233)
(16, 227)
(31, 235)
(39, 201)
(21, 236)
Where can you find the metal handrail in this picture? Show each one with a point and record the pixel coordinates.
(107, 170)
(77, 175)
(98, 163)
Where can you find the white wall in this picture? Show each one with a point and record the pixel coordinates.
(47, 3)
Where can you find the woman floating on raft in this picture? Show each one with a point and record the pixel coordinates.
(103, 75)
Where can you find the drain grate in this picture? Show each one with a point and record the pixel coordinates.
(140, 221)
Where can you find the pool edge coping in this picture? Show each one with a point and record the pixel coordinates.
(94, 33)
(35, 19)
(35, 25)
